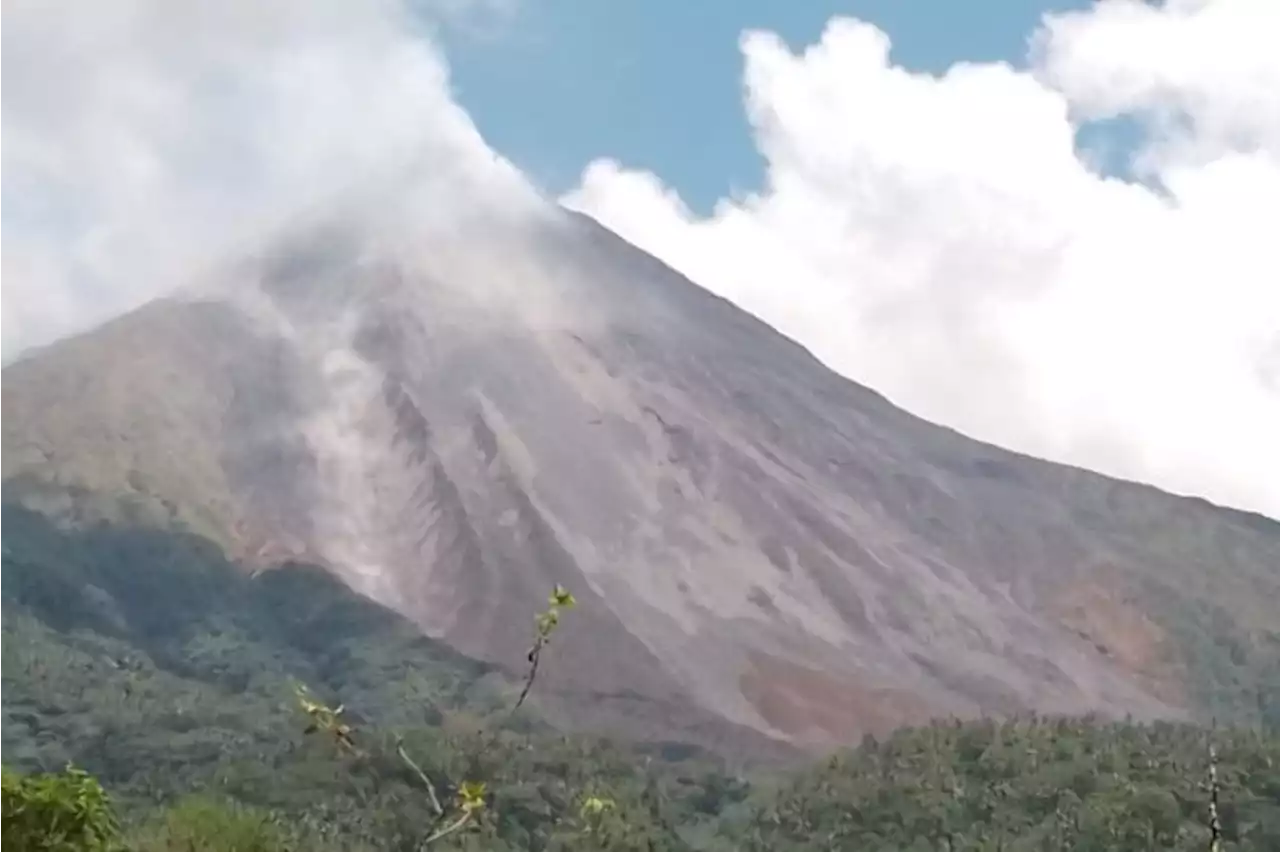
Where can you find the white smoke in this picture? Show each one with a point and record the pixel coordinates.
(146, 139)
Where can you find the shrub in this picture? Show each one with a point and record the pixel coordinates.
(57, 812)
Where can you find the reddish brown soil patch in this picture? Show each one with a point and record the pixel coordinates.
(1120, 630)
(810, 704)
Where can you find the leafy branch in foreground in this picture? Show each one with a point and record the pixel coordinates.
(470, 800)
(326, 719)
(547, 622)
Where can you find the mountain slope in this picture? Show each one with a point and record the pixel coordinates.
(452, 423)
(115, 637)
(145, 658)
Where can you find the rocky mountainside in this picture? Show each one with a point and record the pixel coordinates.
(453, 422)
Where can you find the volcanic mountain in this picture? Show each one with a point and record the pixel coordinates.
(453, 422)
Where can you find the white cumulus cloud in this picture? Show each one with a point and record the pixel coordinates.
(942, 239)
(146, 139)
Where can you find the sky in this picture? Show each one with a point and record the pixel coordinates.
(657, 83)
(1046, 225)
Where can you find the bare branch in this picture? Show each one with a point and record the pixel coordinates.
(422, 776)
(535, 654)
(457, 825)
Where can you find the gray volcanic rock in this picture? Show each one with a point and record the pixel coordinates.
(453, 423)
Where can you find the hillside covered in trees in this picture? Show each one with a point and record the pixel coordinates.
(170, 676)
(1032, 785)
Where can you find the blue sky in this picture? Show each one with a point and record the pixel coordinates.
(657, 84)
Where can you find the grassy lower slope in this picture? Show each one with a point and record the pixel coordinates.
(137, 605)
(149, 660)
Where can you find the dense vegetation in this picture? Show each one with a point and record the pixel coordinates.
(169, 675)
(1031, 785)
(149, 661)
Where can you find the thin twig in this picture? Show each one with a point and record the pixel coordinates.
(535, 654)
(426, 782)
(547, 623)
(448, 829)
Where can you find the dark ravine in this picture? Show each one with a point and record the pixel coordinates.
(763, 549)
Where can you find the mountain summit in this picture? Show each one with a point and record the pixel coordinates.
(452, 422)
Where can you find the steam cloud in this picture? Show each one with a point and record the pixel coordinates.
(942, 238)
(148, 139)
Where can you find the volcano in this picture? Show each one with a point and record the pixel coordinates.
(453, 422)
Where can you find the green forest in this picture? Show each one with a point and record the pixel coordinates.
(158, 698)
